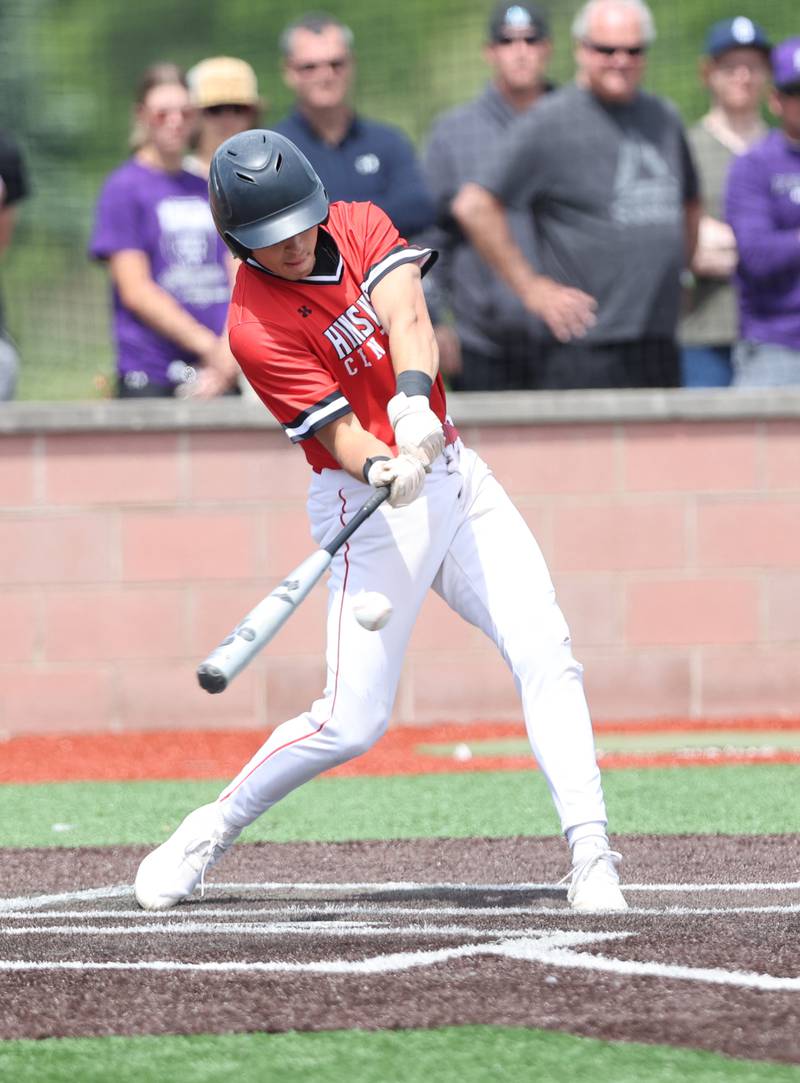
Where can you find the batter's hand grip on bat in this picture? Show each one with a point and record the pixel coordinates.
(260, 624)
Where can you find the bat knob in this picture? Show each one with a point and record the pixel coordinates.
(211, 678)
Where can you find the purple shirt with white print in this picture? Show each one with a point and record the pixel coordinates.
(763, 207)
(166, 216)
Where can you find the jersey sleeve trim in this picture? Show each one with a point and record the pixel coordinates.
(308, 422)
(423, 257)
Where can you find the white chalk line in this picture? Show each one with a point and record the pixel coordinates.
(35, 902)
(380, 964)
(186, 912)
(500, 888)
(563, 957)
(553, 949)
(549, 948)
(279, 928)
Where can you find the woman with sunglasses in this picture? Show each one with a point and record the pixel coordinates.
(169, 272)
(224, 91)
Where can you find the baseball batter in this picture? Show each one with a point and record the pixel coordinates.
(329, 324)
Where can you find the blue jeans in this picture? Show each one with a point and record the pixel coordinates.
(765, 364)
(706, 366)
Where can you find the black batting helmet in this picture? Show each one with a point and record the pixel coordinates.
(263, 190)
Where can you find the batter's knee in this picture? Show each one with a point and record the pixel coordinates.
(356, 744)
(544, 650)
(357, 732)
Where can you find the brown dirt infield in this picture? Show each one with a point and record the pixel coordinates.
(418, 933)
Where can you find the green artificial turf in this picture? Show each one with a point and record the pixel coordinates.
(451, 1055)
(716, 800)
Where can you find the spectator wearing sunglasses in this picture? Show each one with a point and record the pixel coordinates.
(763, 207)
(735, 69)
(169, 273)
(224, 91)
(605, 171)
(357, 159)
(492, 342)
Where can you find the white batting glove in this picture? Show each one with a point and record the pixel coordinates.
(405, 476)
(417, 429)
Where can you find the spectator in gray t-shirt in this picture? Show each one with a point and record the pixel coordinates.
(493, 342)
(735, 70)
(606, 173)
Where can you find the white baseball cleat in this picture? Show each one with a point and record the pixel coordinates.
(171, 872)
(594, 884)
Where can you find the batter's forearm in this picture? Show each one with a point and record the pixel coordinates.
(351, 445)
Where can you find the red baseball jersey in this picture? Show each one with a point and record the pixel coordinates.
(314, 350)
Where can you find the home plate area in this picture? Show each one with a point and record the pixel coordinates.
(415, 933)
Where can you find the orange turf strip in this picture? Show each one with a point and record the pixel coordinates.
(200, 754)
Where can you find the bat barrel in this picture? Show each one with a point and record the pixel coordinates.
(216, 672)
(260, 625)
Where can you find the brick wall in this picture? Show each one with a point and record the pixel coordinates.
(125, 555)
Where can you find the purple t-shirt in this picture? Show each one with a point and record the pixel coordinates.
(166, 216)
(762, 205)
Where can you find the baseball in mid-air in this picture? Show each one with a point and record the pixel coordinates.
(462, 753)
(372, 609)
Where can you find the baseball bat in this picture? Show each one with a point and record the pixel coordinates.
(260, 625)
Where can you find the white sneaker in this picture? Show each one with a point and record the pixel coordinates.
(594, 883)
(171, 873)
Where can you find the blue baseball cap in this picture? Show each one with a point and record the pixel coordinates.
(786, 63)
(738, 33)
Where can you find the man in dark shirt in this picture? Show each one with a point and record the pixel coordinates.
(356, 158)
(493, 341)
(605, 170)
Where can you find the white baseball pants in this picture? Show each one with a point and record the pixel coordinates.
(463, 537)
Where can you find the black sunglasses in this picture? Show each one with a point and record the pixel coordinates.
(337, 64)
(790, 91)
(218, 110)
(611, 50)
(529, 39)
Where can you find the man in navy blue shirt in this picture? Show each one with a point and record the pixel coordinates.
(358, 159)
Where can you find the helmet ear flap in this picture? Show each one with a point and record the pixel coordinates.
(237, 249)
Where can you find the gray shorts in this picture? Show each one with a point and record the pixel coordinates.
(765, 364)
